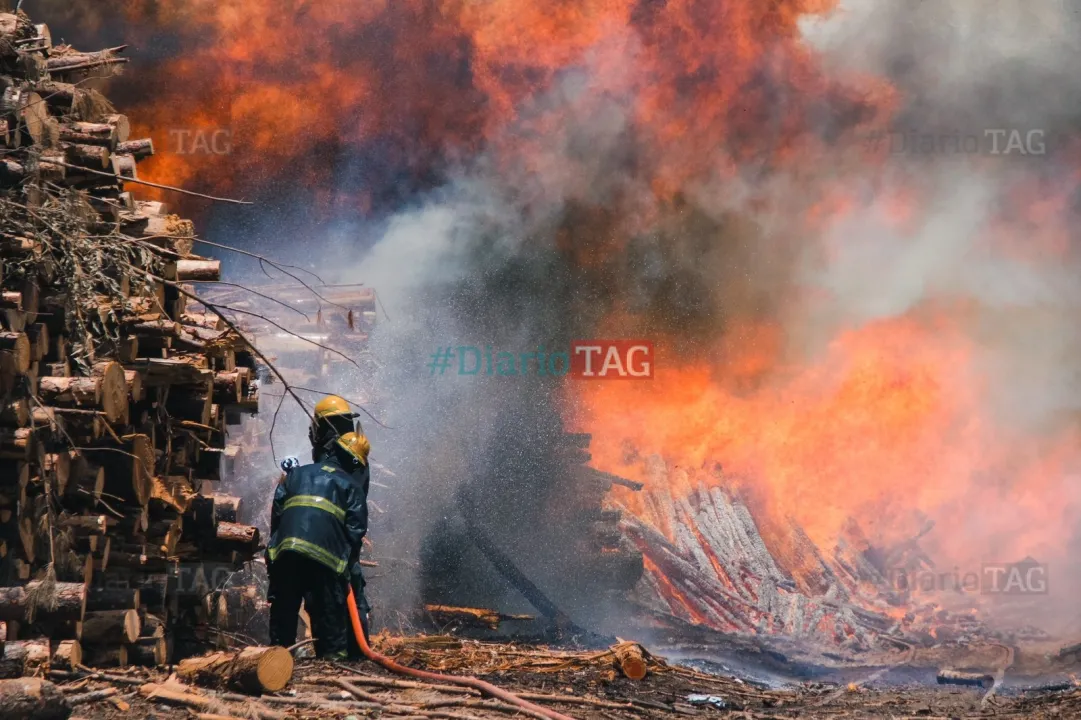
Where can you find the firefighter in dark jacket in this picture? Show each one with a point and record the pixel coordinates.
(317, 522)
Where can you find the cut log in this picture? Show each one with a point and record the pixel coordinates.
(148, 652)
(89, 134)
(114, 389)
(94, 157)
(70, 391)
(630, 659)
(153, 627)
(141, 149)
(79, 62)
(32, 698)
(19, 444)
(226, 507)
(129, 472)
(111, 627)
(227, 388)
(69, 599)
(234, 535)
(198, 270)
(474, 617)
(253, 670)
(12, 662)
(17, 351)
(37, 656)
(959, 677)
(87, 481)
(135, 385)
(100, 656)
(58, 466)
(85, 524)
(30, 111)
(67, 656)
(15, 413)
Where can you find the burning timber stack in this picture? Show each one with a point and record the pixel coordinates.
(114, 390)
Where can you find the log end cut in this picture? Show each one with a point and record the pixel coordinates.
(267, 669)
(630, 659)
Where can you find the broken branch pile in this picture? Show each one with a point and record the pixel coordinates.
(114, 390)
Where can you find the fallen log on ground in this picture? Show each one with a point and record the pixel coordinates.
(32, 698)
(252, 670)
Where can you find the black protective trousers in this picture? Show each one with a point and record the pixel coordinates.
(296, 578)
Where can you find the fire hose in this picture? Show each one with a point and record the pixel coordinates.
(470, 682)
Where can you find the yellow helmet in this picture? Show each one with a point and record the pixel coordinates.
(356, 445)
(332, 406)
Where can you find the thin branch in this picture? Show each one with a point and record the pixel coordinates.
(284, 329)
(256, 292)
(273, 423)
(272, 263)
(278, 266)
(351, 402)
(150, 184)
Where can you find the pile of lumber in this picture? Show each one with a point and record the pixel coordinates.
(711, 561)
(115, 386)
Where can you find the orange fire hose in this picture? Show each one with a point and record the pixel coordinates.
(470, 682)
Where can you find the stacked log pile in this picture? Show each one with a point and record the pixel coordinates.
(114, 388)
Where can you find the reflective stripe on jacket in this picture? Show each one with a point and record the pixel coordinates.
(320, 511)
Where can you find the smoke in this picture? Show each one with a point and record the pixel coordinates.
(992, 234)
(673, 172)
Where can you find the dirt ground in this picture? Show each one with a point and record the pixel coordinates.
(582, 685)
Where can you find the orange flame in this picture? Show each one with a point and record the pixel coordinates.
(339, 88)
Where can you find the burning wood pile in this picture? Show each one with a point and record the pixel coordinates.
(710, 561)
(114, 386)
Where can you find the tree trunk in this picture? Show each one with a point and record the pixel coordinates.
(111, 627)
(32, 698)
(252, 670)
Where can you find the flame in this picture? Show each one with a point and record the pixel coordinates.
(888, 420)
(372, 100)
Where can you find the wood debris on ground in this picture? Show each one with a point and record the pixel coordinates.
(580, 684)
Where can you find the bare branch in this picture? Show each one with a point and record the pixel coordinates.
(150, 184)
(351, 402)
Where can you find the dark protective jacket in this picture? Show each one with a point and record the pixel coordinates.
(321, 511)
